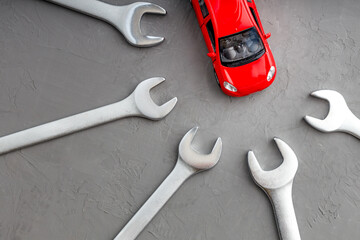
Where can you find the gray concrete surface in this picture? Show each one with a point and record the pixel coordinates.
(55, 62)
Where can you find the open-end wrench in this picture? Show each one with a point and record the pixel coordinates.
(188, 163)
(277, 184)
(339, 119)
(125, 18)
(138, 104)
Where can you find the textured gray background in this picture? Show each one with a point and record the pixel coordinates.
(55, 62)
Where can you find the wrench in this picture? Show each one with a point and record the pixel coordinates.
(277, 184)
(125, 18)
(339, 119)
(138, 104)
(189, 162)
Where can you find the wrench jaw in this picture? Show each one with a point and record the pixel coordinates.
(199, 162)
(279, 177)
(146, 107)
(338, 112)
(130, 24)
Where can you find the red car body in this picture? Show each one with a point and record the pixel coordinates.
(223, 19)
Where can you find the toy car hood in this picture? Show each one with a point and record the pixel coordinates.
(255, 78)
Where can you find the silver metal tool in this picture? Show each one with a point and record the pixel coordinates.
(277, 184)
(138, 104)
(339, 119)
(189, 162)
(125, 18)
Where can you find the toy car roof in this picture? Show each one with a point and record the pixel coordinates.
(230, 16)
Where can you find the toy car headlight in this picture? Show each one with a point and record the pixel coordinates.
(229, 87)
(271, 73)
(240, 47)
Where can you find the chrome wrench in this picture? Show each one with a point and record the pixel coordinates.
(339, 119)
(138, 104)
(189, 162)
(124, 18)
(277, 184)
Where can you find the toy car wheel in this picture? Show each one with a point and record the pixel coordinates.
(216, 78)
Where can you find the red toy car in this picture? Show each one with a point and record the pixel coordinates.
(237, 45)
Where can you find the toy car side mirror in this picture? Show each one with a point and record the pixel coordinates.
(211, 54)
(267, 35)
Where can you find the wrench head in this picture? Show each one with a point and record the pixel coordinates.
(338, 111)
(281, 175)
(130, 24)
(144, 103)
(195, 159)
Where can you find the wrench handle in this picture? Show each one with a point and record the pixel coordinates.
(281, 199)
(65, 126)
(92, 8)
(152, 206)
(352, 125)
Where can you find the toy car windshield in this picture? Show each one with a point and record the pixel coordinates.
(241, 48)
